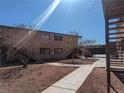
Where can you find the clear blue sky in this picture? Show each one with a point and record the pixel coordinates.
(83, 16)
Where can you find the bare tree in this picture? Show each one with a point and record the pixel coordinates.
(73, 32)
(12, 54)
(4, 46)
(85, 46)
(90, 43)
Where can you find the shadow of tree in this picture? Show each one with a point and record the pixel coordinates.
(10, 73)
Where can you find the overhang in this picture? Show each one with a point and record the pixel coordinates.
(113, 8)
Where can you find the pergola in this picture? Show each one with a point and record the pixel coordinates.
(114, 29)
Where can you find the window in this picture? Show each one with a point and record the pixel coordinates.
(58, 37)
(44, 50)
(58, 50)
(45, 36)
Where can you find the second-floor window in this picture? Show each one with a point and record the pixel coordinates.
(44, 50)
(45, 36)
(58, 37)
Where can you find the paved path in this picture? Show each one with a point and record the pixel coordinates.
(71, 82)
(63, 64)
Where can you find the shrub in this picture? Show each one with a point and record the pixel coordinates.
(21, 56)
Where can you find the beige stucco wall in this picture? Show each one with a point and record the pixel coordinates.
(34, 42)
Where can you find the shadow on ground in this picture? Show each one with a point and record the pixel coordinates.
(31, 62)
(9, 73)
(34, 62)
(120, 75)
(114, 89)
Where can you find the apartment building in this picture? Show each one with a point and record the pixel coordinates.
(43, 44)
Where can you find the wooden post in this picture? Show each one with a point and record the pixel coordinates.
(104, 2)
(107, 54)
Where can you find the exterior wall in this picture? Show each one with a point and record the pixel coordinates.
(119, 45)
(35, 42)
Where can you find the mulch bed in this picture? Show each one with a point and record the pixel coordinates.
(79, 61)
(34, 79)
(96, 83)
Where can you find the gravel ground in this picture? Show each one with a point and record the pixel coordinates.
(96, 83)
(34, 79)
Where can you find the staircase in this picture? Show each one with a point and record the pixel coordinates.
(116, 43)
(72, 53)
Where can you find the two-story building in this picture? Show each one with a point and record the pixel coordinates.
(42, 43)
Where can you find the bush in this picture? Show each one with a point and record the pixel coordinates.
(87, 54)
(84, 52)
(20, 56)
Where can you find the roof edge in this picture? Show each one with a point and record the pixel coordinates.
(14, 27)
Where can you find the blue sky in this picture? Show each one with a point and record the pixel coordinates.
(83, 16)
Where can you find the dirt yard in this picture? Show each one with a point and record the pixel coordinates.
(96, 83)
(79, 61)
(34, 79)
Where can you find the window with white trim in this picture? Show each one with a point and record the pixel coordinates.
(45, 36)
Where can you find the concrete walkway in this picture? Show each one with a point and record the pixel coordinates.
(72, 82)
(63, 64)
